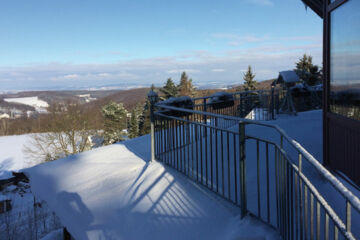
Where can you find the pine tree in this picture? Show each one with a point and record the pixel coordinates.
(133, 125)
(304, 63)
(307, 71)
(115, 121)
(186, 87)
(249, 82)
(169, 89)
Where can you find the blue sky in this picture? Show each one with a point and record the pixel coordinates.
(83, 44)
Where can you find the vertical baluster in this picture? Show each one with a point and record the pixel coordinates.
(196, 153)
(188, 146)
(336, 232)
(288, 183)
(292, 200)
(235, 169)
(216, 156)
(326, 226)
(300, 198)
(318, 220)
(162, 122)
(206, 156)
(258, 177)
(348, 216)
(242, 157)
(228, 163)
(178, 145)
(277, 187)
(201, 153)
(311, 216)
(211, 159)
(296, 206)
(173, 141)
(306, 210)
(222, 164)
(267, 184)
(183, 146)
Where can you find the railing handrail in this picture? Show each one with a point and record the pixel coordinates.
(234, 93)
(339, 186)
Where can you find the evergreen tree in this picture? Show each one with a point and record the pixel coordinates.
(133, 125)
(186, 87)
(249, 82)
(115, 121)
(307, 71)
(169, 89)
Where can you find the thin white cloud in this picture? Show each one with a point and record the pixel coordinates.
(218, 70)
(71, 76)
(237, 39)
(262, 2)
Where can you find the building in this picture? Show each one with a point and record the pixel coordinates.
(341, 100)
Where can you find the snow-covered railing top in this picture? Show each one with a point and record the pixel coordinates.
(235, 93)
(339, 186)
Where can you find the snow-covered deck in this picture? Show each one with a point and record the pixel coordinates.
(113, 193)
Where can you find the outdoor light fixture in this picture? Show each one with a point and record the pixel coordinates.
(152, 96)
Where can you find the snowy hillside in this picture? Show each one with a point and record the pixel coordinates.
(35, 102)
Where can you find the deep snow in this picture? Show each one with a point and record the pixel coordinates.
(111, 193)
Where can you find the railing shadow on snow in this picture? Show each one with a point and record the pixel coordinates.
(256, 174)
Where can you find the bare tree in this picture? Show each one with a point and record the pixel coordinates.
(68, 131)
(4, 126)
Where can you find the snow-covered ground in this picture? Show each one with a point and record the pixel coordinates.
(113, 193)
(12, 157)
(35, 102)
(86, 97)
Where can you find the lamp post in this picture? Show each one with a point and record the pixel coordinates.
(153, 98)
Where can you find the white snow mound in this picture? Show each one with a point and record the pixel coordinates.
(111, 193)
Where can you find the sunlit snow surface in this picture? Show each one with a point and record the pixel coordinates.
(111, 193)
(31, 101)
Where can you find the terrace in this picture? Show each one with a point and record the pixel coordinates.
(253, 163)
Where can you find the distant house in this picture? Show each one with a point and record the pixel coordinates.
(341, 98)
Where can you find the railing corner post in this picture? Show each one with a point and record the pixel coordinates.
(153, 98)
(242, 156)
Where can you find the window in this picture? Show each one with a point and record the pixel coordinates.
(345, 60)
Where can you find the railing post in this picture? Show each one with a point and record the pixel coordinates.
(242, 169)
(153, 98)
(205, 110)
(272, 103)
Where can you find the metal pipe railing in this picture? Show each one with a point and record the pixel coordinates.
(353, 200)
(200, 147)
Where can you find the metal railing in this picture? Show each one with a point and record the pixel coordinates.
(264, 177)
(255, 105)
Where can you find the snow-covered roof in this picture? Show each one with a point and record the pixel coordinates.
(113, 193)
(287, 77)
(175, 100)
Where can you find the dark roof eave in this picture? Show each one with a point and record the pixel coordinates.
(316, 6)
